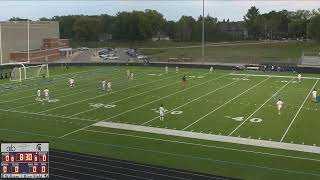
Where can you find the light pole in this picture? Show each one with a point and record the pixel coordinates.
(202, 55)
(307, 31)
(28, 26)
(0, 45)
(265, 33)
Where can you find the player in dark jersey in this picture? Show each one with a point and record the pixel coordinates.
(184, 81)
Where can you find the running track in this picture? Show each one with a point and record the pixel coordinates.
(68, 166)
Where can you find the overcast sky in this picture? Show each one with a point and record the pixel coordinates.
(172, 10)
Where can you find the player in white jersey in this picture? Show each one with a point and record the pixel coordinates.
(131, 76)
(279, 106)
(104, 85)
(177, 69)
(299, 78)
(161, 111)
(314, 95)
(46, 93)
(109, 86)
(38, 95)
(211, 69)
(128, 74)
(166, 69)
(71, 82)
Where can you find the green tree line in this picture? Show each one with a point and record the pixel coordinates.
(143, 25)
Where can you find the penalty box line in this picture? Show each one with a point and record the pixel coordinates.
(84, 85)
(145, 105)
(80, 90)
(113, 92)
(24, 90)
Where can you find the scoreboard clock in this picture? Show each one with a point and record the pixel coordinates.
(25, 160)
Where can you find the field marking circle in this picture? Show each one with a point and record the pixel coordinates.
(255, 120)
(176, 112)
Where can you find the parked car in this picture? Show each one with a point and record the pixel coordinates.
(142, 57)
(83, 49)
(110, 58)
(132, 52)
(103, 52)
(113, 58)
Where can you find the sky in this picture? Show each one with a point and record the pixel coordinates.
(172, 10)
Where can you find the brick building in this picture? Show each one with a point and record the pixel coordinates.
(34, 41)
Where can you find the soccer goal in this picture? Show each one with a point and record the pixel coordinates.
(29, 72)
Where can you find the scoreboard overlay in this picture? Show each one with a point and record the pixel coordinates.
(25, 160)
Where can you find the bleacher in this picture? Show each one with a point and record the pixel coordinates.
(310, 59)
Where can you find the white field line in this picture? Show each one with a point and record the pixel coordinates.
(294, 118)
(211, 137)
(192, 101)
(224, 104)
(67, 86)
(204, 145)
(71, 94)
(49, 115)
(113, 92)
(127, 98)
(260, 107)
(120, 167)
(144, 105)
(275, 76)
(49, 85)
(53, 76)
(60, 83)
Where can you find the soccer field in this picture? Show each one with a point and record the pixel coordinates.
(223, 123)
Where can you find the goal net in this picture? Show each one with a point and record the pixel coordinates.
(29, 72)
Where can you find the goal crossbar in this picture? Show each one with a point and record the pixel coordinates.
(29, 72)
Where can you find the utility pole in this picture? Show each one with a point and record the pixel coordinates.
(28, 41)
(0, 45)
(202, 55)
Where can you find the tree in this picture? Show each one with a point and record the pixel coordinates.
(86, 27)
(186, 27)
(18, 19)
(252, 21)
(315, 27)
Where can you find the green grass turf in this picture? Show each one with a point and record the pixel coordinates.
(211, 103)
(285, 52)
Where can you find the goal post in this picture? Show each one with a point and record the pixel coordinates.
(29, 72)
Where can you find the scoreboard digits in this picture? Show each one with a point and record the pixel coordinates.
(25, 160)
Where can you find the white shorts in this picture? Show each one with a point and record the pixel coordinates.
(279, 107)
(161, 114)
(314, 97)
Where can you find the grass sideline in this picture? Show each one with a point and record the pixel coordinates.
(245, 52)
(217, 103)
